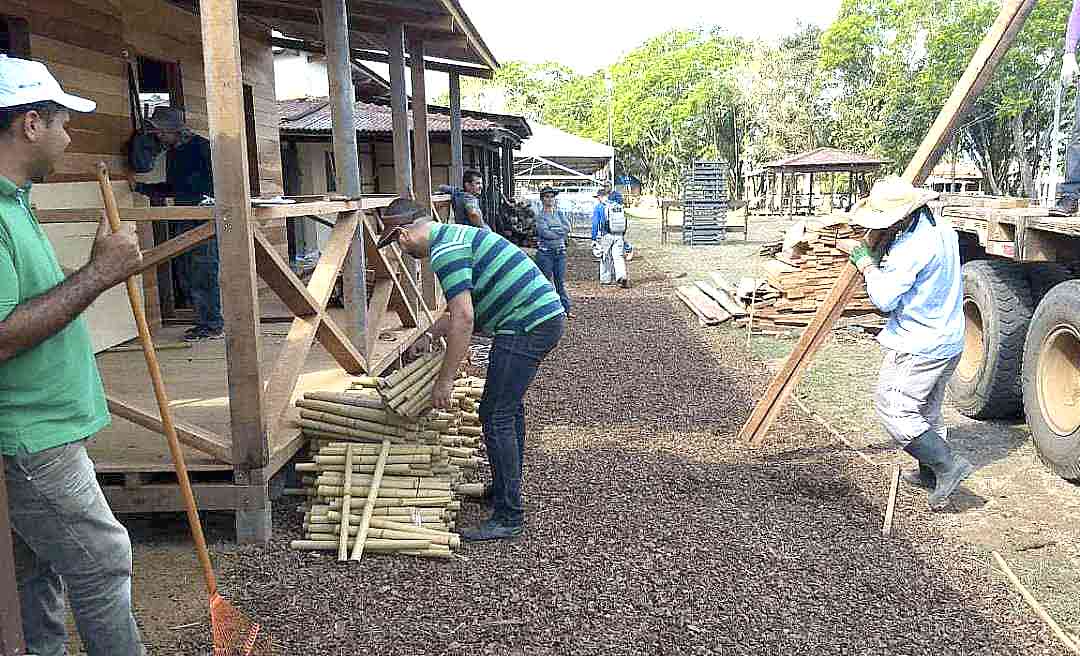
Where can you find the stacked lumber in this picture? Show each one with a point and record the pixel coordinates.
(771, 248)
(384, 482)
(798, 278)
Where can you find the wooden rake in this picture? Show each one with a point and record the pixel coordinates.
(233, 633)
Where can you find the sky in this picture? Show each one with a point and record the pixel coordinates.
(589, 34)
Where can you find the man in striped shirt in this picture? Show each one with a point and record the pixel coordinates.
(491, 287)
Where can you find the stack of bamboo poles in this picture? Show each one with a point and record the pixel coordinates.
(383, 482)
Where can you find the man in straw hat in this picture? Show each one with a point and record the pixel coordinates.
(492, 287)
(918, 284)
(51, 397)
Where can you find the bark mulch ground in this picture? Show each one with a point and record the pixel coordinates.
(651, 530)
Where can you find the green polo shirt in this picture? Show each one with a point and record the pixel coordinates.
(50, 394)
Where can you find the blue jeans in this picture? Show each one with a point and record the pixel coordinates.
(200, 268)
(511, 369)
(553, 266)
(67, 537)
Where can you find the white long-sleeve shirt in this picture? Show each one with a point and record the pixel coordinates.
(919, 285)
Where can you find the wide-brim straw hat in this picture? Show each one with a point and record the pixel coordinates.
(891, 200)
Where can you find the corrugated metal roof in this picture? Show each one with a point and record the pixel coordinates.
(823, 157)
(313, 116)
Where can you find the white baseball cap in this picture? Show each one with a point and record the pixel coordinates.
(23, 82)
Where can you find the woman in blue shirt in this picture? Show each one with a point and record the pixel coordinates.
(552, 228)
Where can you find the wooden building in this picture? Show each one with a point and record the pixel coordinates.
(488, 142)
(214, 59)
(787, 186)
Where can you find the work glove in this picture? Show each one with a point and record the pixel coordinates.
(862, 258)
(1069, 69)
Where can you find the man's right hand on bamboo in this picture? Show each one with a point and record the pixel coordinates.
(115, 256)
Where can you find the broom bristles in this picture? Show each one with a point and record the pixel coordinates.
(235, 634)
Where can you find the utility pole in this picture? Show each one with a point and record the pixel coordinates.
(610, 84)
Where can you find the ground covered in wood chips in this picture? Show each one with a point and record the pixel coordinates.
(651, 529)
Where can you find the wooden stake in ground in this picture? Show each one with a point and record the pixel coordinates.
(993, 47)
(229, 625)
(886, 527)
(1035, 605)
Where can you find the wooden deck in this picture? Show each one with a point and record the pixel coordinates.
(133, 462)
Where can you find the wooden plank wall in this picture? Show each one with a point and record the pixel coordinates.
(83, 43)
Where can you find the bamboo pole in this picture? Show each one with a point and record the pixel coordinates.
(886, 527)
(370, 545)
(372, 495)
(346, 505)
(1035, 605)
(356, 424)
(386, 482)
(378, 416)
(344, 398)
(382, 493)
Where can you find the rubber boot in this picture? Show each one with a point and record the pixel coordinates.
(922, 476)
(949, 470)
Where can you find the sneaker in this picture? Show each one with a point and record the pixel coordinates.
(493, 529)
(1066, 206)
(201, 335)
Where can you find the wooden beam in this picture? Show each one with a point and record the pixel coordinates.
(346, 160)
(421, 155)
(240, 299)
(11, 634)
(456, 156)
(395, 45)
(160, 498)
(454, 9)
(990, 52)
(139, 214)
(368, 55)
(200, 439)
(177, 246)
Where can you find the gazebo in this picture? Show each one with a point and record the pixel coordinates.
(786, 186)
(553, 156)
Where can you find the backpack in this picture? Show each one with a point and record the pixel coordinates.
(616, 219)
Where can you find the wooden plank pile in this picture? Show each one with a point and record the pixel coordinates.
(712, 303)
(798, 279)
(383, 480)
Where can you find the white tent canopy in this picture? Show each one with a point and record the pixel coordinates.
(553, 154)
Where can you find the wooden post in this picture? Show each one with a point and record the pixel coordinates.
(810, 200)
(990, 52)
(456, 144)
(395, 45)
(11, 635)
(235, 229)
(421, 151)
(346, 161)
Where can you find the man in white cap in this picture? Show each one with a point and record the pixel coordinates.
(51, 397)
(918, 284)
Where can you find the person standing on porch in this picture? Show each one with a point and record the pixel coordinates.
(189, 179)
(466, 201)
(552, 229)
(51, 396)
(492, 287)
(1069, 190)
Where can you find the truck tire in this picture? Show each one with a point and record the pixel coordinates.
(997, 310)
(1052, 379)
(1044, 276)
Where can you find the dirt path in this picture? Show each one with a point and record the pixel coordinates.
(650, 530)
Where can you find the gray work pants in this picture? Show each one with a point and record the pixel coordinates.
(1070, 188)
(67, 537)
(612, 259)
(910, 394)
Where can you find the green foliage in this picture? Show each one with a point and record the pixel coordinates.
(873, 82)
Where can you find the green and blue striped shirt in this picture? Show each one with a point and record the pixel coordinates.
(510, 295)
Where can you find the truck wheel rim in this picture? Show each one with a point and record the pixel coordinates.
(974, 343)
(1059, 380)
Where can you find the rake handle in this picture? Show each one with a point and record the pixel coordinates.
(145, 339)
